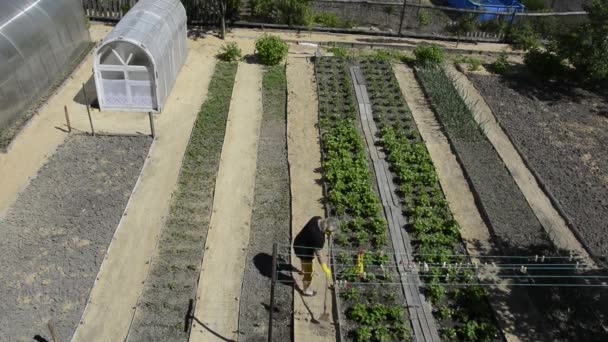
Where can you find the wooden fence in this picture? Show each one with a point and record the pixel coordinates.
(412, 19)
(198, 11)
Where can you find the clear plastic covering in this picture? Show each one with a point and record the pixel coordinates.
(39, 39)
(138, 61)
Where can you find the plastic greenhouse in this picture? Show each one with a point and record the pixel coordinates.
(39, 40)
(137, 63)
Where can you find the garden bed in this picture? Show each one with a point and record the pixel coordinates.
(562, 133)
(270, 221)
(570, 312)
(435, 234)
(515, 227)
(53, 239)
(172, 280)
(372, 308)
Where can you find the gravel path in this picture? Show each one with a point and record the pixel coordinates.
(54, 238)
(563, 136)
(270, 220)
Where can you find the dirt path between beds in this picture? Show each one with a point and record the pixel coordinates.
(508, 303)
(304, 154)
(121, 278)
(219, 288)
(547, 215)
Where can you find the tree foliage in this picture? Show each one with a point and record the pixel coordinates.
(586, 47)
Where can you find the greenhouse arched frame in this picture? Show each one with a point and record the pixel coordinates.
(39, 41)
(137, 63)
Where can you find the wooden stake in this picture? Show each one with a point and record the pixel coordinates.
(67, 119)
(152, 125)
(273, 282)
(86, 100)
(52, 331)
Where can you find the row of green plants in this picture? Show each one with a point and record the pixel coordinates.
(464, 313)
(373, 311)
(578, 53)
(296, 12)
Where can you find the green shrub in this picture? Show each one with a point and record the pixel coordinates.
(424, 18)
(429, 54)
(230, 52)
(328, 19)
(501, 64)
(294, 12)
(586, 46)
(271, 49)
(496, 25)
(339, 51)
(524, 37)
(474, 63)
(544, 64)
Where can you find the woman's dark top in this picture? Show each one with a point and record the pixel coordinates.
(309, 239)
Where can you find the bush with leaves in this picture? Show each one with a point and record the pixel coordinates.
(328, 19)
(290, 12)
(501, 64)
(586, 47)
(524, 37)
(230, 52)
(424, 18)
(545, 64)
(271, 49)
(429, 54)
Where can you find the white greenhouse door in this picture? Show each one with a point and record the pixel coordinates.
(128, 87)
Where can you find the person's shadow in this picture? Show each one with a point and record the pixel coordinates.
(263, 262)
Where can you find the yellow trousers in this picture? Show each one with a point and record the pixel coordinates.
(307, 269)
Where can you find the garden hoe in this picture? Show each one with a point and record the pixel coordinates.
(325, 315)
(300, 290)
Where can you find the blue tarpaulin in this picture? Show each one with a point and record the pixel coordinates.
(508, 6)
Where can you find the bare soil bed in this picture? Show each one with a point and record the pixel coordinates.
(172, 282)
(54, 237)
(570, 312)
(562, 133)
(270, 221)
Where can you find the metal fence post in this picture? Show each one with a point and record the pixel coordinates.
(273, 283)
(402, 17)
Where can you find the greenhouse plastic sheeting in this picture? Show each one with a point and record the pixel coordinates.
(137, 63)
(39, 40)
